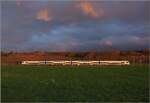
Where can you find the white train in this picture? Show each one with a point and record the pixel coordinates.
(77, 62)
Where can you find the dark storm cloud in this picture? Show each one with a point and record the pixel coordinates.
(74, 25)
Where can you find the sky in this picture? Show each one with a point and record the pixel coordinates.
(81, 25)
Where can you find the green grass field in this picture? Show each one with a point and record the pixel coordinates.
(79, 84)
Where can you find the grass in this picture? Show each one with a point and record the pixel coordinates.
(74, 84)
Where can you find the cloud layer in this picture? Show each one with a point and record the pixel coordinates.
(74, 25)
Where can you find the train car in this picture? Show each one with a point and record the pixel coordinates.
(114, 63)
(50, 62)
(75, 62)
(67, 62)
(94, 62)
(33, 62)
(58, 62)
(84, 62)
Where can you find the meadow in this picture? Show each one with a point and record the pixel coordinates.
(75, 84)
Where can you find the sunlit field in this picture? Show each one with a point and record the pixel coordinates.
(79, 84)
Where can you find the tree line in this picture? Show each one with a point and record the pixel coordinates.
(132, 56)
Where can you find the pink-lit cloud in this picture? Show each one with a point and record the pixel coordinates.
(108, 43)
(18, 2)
(88, 9)
(43, 15)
